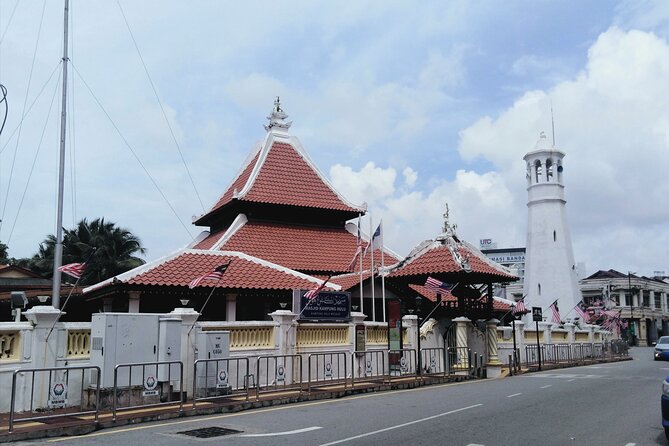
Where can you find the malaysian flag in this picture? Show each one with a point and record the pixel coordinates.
(316, 291)
(73, 269)
(437, 285)
(520, 308)
(216, 274)
(556, 312)
(358, 251)
(582, 311)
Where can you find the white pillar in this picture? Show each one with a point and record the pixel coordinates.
(570, 332)
(410, 322)
(44, 353)
(133, 301)
(286, 333)
(230, 307)
(188, 317)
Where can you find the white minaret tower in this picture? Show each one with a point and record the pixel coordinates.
(550, 271)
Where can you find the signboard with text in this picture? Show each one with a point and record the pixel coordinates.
(326, 306)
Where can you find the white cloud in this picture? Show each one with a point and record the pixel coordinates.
(410, 176)
(369, 184)
(611, 121)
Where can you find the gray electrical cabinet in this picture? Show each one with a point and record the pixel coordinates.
(212, 373)
(169, 348)
(122, 338)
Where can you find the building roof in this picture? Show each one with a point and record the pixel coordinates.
(298, 247)
(450, 259)
(446, 296)
(279, 172)
(244, 272)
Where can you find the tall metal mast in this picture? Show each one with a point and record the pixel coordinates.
(58, 252)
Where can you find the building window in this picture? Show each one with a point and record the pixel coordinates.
(554, 236)
(537, 171)
(539, 289)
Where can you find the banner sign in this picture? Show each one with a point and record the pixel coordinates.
(536, 314)
(222, 379)
(57, 395)
(150, 384)
(327, 306)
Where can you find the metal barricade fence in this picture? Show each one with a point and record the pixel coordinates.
(327, 368)
(402, 363)
(432, 361)
(57, 395)
(278, 372)
(597, 351)
(149, 384)
(220, 378)
(562, 353)
(458, 359)
(532, 355)
(370, 366)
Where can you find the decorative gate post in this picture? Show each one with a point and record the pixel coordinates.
(494, 366)
(461, 341)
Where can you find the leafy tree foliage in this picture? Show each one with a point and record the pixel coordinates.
(107, 249)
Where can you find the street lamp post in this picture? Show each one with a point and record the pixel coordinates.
(419, 302)
(631, 324)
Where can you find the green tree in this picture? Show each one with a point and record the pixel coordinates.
(107, 249)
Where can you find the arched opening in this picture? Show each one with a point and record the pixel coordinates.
(539, 289)
(554, 236)
(537, 171)
(559, 172)
(549, 169)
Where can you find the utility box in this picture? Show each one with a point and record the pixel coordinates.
(212, 376)
(122, 338)
(169, 348)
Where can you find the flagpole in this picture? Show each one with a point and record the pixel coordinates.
(362, 307)
(371, 269)
(320, 288)
(60, 311)
(383, 277)
(205, 304)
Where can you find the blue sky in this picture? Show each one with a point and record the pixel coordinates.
(404, 105)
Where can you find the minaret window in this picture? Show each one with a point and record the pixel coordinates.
(549, 170)
(554, 236)
(537, 171)
(539, 289)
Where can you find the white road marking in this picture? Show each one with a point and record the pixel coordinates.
(276, 434)
(630, 444)
(546, 387)
(570, 380)
(344, 440)
(515, 394)
(475, 444)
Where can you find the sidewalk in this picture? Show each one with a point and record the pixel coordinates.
(68, 425)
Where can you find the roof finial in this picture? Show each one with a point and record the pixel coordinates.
(277, 119)
(448, 228)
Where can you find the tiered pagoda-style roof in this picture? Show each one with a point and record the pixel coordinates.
(449, 259)
(280, 182)
(244, 272)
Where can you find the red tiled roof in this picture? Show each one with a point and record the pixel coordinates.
(244, 272)
(284, 177)
(302, 248)
(211, 239)
(438, 259)
(448, 297)
(351, 280)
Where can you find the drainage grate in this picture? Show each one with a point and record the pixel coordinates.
(209, 432)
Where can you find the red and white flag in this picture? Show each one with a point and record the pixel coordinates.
(556, 312)
(73, 269)
(314, 292)
(216, 274)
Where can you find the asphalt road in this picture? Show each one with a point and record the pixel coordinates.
(608, 404)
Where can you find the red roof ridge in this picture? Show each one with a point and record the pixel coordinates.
(128, 275)
(237, 224)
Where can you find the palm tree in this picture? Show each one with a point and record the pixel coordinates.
(107, 250)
